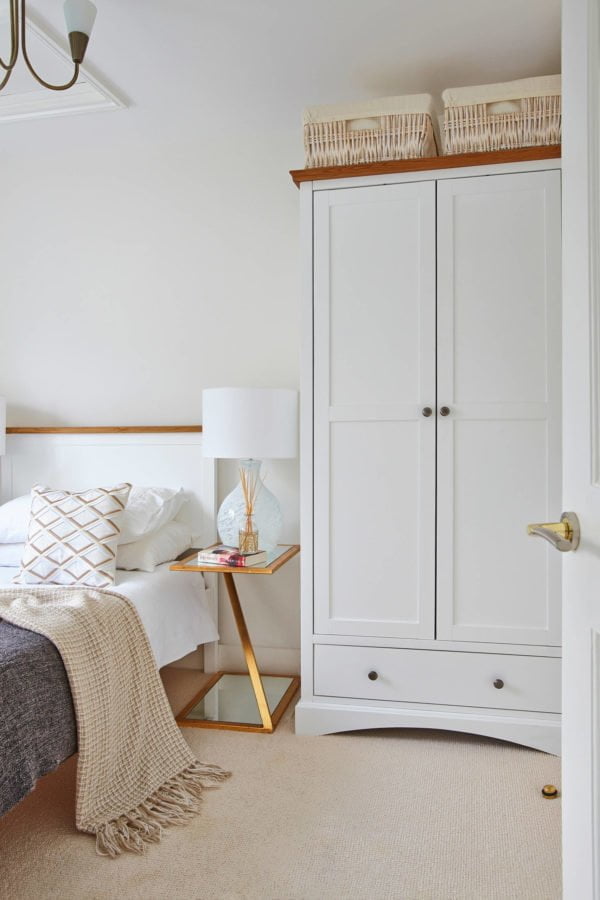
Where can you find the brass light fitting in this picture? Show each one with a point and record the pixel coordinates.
(79, 16)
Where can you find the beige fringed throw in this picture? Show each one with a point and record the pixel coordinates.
(135, 773)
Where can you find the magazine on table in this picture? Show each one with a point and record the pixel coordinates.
(222, 555)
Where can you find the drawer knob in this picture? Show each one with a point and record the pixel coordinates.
(445, 411)
(499, 684)
(373, 676)
(427, 411)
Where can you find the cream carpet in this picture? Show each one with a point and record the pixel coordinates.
(399, 815)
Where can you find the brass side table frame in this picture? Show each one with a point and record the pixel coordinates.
(268, 718)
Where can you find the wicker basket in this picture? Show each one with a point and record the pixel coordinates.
(521, 113)
(390, 128)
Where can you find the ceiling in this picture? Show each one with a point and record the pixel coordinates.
(222, 71)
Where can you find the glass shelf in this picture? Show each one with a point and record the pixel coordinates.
(229, 700)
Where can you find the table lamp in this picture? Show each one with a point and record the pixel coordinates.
(250, 424)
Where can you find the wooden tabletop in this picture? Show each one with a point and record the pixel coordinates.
(190, 564)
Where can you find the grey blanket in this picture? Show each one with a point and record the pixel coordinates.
(37, 719)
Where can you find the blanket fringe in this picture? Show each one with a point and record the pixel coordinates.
(174, 803)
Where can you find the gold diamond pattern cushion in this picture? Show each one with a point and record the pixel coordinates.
(73, 536)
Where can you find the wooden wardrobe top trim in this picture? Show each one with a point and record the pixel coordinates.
(109, 429)
(393, 166)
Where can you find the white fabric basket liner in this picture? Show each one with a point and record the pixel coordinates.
(544, 86)
(410, 104)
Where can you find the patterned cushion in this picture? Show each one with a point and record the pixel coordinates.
(73, 536)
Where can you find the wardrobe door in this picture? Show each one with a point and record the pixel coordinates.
(374, 373)
(499, 355)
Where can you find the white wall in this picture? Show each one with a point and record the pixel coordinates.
(148, 253)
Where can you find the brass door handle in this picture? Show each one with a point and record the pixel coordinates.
(563, 535)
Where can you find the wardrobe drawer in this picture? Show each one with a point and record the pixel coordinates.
(439, 677)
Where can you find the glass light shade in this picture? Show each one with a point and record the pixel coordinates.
(80, 15)
(268, 520)
(2, 426)
(244, 423)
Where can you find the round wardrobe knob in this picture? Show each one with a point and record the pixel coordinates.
(373, 676)
(427, 411)
(445, 411)
(499, 684)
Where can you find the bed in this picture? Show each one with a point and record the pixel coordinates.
(175, 611)
(37, 726)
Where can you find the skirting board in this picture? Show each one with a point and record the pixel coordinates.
(274, 660)
(315, 718)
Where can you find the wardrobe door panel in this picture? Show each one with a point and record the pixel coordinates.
(499, 374)
(374, 371)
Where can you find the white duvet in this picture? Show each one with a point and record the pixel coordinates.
(172, 606)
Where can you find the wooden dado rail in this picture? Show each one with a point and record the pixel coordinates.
(109, 429)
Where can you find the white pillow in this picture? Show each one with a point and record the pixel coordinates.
(156, 548)
(11, 554)
(72, 536)
(147, 510)
(162, 546)
(14, 520)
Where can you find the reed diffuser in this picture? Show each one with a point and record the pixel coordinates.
(248, 535)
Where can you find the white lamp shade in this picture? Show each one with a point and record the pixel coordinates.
(2, 426)
(80, 15)
(249, 423)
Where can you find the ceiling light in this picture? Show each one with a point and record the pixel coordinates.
(79, 16)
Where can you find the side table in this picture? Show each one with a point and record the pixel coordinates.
(234, 700)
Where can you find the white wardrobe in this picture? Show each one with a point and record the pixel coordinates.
(431, 438)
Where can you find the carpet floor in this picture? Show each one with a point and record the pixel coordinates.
(386, 815)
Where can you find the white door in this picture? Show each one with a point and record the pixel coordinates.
(581, 448)
(499, 384)
(374, 374)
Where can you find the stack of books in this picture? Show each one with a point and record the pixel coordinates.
(221, 555)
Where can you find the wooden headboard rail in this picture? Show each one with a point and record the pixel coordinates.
(109, 429)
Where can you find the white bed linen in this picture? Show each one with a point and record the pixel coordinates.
(172, 606)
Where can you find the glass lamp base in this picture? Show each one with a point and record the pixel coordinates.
(232, 516)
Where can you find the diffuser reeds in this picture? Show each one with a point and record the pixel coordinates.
(248, 536)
